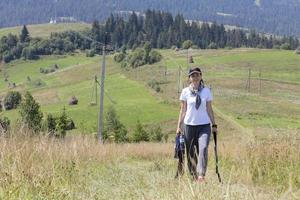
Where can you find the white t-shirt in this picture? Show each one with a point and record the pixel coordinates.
(194, 116)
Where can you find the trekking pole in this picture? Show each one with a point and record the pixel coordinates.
(216, 156)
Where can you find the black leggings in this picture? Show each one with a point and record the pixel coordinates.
(197, 141)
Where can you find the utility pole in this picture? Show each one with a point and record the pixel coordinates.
(260, 81)
(100, 122)
(187, 58)
(179, 81)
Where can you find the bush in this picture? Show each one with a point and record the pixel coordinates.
(140, 134)
(114, 128)
(51, 124)
(212, 46)
(30, 53)
(154, 57)
(124, 64)
(154, 85)
(12, 100)
(187, 44)
(70, 124)
(4, 124)
(57, 126)
(136, 58)
(38, 83)
(285, 46)
(119, 57)
(156, 134)
(7, 57)
(90, 53)
(30, 113)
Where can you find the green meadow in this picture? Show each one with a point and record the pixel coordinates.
(258, 128)
(44, 30)
(75, 77)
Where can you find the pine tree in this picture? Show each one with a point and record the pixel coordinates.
(24, 37)
(30, 113)
(61, 125)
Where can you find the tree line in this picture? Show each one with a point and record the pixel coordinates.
(161, 29)
(270, 16)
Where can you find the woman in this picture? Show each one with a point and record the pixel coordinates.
(198, 117)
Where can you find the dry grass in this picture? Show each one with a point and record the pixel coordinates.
(80, 168)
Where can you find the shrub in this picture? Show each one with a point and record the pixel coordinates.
(119, 57)
(285, 46)
(297, 51)
(90, 53)
(154, 57)
(61, 125)
(30, 113)
(54, 124)
(4, 124)
(140, 134)
(212, 46)
(124, 64)
(136, 58)
(187, 44)
(51, 124)
(114, 128)
(70, 124)
(156, 134)
(12, 100)
(30, 53)
(154, 85)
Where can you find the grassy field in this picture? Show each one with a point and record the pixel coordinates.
(258, 140)
(80, 168)
(75, 77)
(44, 30)
(273, 98)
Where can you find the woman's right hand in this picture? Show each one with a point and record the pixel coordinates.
(178, 131)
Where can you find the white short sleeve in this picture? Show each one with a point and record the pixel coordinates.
(209, 95)
(183, 96)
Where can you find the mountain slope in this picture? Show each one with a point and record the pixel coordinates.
(272, 16)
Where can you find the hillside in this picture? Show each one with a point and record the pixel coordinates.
(276, 17)
(226, 71)
(258, 129)
(258, 118)
(44, 30)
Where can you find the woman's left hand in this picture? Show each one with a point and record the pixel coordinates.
(214, 130)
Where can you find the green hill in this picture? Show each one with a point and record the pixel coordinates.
(272, 101)
(44, 30)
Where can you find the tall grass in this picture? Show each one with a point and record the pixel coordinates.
(80, 168)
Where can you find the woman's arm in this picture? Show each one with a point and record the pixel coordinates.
(181, 116)
(210, 113)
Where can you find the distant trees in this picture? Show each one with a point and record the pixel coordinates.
(139, 57)
(271, 16)
(141, 33)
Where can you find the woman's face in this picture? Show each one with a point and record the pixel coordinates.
(195, 78)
